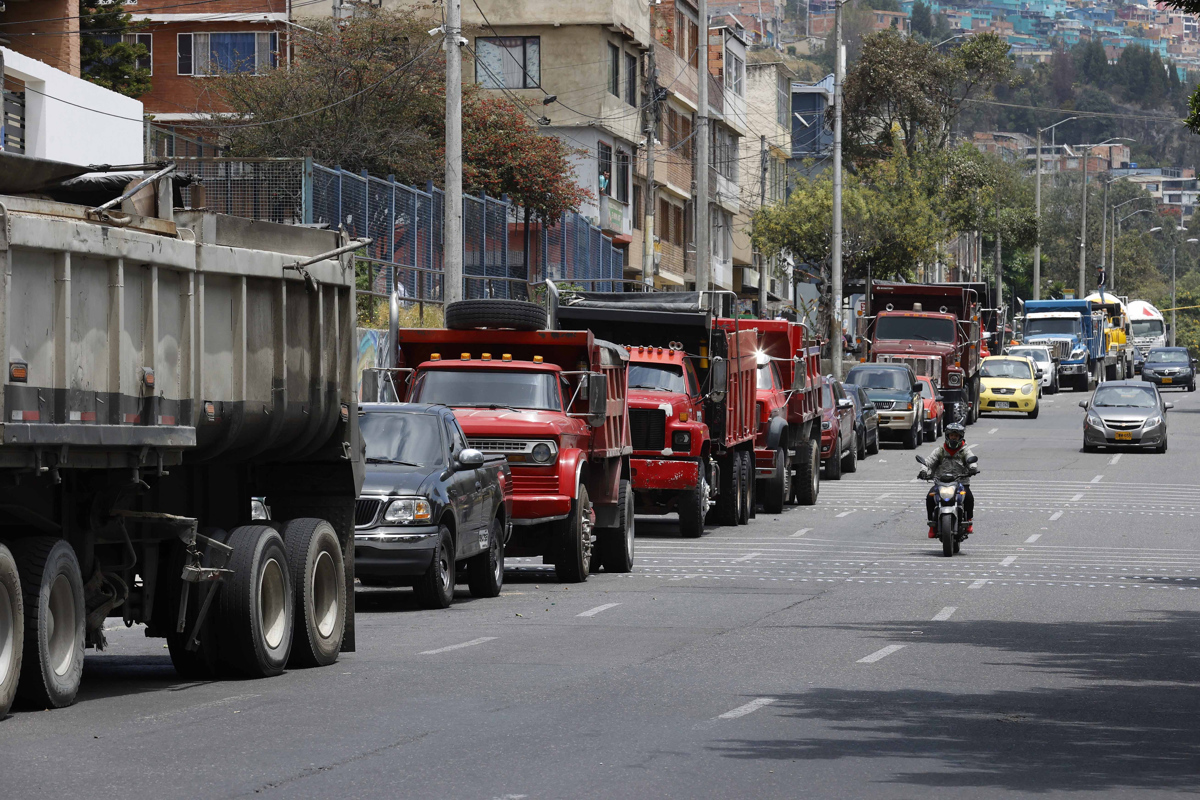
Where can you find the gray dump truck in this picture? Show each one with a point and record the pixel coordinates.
(163, 369)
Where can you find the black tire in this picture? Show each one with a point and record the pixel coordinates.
(616, 545)
(693, 507)
(946, 534)
(807, 482)
(574, 560)
(752, 482)
(485, 572)
(516, 315)
(860, 438)
(12, 629)
(729, 498)
(778, 488)
(52, 596)
(746, 470)
(256, 604)
(1192, 386)
(203, 663)
(833, 467)
(1162, 448)
(850, 462)
(1091, 448)
(1036, 410)
(912, 437)
(435, 588)
(957, 546)
(314, 557)
(931, 432)
(873, 445)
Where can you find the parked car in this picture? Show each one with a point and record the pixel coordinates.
(894, 390)
(1043, 360)
(1127, 413)
(429, 502)
(839, 451)
(1170, 366)
(1008, 383)
(866, 421)
(935, 410)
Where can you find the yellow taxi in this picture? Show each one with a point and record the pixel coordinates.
(1009, 383)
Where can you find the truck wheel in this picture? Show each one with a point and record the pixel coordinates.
(808, 473)
(752, 483)
(747, 497)
(693, 507)
(52, 657)
(778, 488)
(729, 499)
(202, 663)
(435, 589)
(12, 629)
(615, 545)
(850, 462)
(833, 467)
(516, 315)
(575, 547)
(314, 557)
(485, 572)
(255, 621)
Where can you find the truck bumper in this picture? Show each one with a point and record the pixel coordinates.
(390, 552)
(1072, 368)
(531, 509)
(664, 474)
(898, 421)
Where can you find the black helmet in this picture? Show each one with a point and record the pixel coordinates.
(955, 434)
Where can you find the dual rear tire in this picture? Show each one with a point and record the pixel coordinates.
(50, 660)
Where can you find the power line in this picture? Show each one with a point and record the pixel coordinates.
(1078, 113)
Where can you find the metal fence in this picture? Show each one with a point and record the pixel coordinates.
(167, 142)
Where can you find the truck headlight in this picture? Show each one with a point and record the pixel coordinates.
(826, 426)
(1027, 389)
(954, 379)
(542, 453)
(407, 511)
(1079, 352)
(681, 441)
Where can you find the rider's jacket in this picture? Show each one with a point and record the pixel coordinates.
(940, 459)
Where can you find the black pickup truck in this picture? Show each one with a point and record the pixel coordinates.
(428, 504)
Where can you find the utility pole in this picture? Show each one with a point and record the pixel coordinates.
(1037, 215)
(835, 312)
(452, 258)
(762, 201)
(1083, 228)
(651, 197)
(1104, 226)
(703, 223)
(997, 262)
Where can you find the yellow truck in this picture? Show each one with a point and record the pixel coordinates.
(1118, 336)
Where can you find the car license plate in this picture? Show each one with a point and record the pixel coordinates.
(1123, 436)
(1167, 380)
(1002, 404)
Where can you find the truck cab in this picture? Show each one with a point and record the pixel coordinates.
(1070, 327)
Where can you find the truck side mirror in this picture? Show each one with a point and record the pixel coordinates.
(470, 458)
(799, 375)
(597, 397)
(719, 375)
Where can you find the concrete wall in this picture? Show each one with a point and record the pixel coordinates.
(69, 119)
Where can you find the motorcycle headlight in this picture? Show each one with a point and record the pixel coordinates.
(946, 492)
(407, 511)
(1094, 420)
(1027, 388)
(681, 441)
(542, 453)
(1152, 422)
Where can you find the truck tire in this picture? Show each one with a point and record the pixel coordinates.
(693, 507)
(203, 663)
(729, 498)
(516, 315)
(778, 488)
(752, 483)
(314, 557)
(833, 467)
(12, 629)
(52, 657)
(256, 615)
(807, 482)
(574, 559)
(745, 460)
(616, 545)
(485, 572)
(435, 589)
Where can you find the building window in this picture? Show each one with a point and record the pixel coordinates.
(685, 136)
(783, 102)
(146, 40)
(663, 223)
(614, 69)
(631, 79)
(508, 62)
(604, 166)
(202, 54)
(735, 74)
(621, 176)
(672, 128)
(677, 225)
(637, 208)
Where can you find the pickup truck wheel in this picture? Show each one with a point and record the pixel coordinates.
(693, 507)
(485, 572)
(833, 467)
(12, 629)
(256, 604)
(729, 499)
(873, 445)
(615, 545)
(778, 488)
(575, 546)
(745, 469)
(912, 437)
(516, 315)
(203, 663)
(52, 657)
(808, 472)
(314, 558)
(850, 462)
(435, 588)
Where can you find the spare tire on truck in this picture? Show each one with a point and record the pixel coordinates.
(516, 315)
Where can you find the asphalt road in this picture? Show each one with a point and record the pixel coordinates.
(826, 652)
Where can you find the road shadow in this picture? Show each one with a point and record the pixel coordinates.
(1132, 726)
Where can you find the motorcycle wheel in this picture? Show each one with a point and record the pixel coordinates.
(946, 534)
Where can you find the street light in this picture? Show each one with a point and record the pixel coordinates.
(1117, 232)
(1037, 201)
(1174, 247)
(1087, 149)
(952, 38)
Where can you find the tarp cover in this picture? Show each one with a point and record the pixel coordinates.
(20, 173)
(688, 302)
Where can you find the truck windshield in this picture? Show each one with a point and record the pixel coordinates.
(929, 329)
(413, 439)
(769, 377)
(1147, 327)
(474, 388)
(877, 378)
(1039, 326)
(656, 377)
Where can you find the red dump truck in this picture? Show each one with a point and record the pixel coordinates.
(691, 400)
(934, 328)
(787, 447)
(554, 403)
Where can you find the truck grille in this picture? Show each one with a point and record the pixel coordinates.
(927, 366)
(648, 428)
(884, 405)
(524, 483)
(365, 511)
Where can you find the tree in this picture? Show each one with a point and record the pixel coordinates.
(106, 58)
(1091, 63)
(921, 21)
(1062, 76)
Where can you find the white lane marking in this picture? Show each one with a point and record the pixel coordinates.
(471, 643)
(1115, 459)
(944, 614)
(1076, 498)
(847, 513)
(889, 494)
(878, 654)
(799, 533)
(591, 612)
(1097, 479)
(749, 708)
(978, 584)
(993, 430)
(1055, 515)
(746, 557)
(1008, 561)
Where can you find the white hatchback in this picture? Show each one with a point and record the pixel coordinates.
(1041, 358)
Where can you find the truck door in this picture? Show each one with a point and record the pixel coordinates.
(464, 490)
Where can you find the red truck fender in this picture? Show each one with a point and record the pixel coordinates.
(570, 468)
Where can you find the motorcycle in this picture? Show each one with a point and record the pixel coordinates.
(950, 519)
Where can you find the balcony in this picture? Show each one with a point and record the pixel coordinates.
(615, 217)
(675, 73)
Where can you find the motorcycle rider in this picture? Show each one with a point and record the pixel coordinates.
(952, 450)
